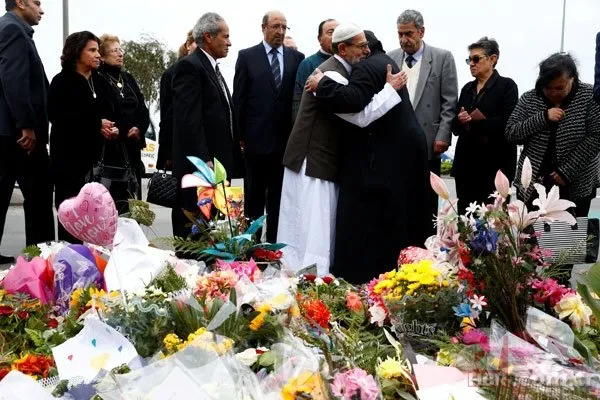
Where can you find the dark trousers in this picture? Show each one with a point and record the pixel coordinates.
(262, 188)
(187, 199)
(371, 229)
(435, 166)
(32, 173)
(473, 190)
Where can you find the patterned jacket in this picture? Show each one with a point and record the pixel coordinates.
(577, 139)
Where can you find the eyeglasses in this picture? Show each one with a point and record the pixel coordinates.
(474, 59)
(278, 27)
(361, 46)
(117, 50)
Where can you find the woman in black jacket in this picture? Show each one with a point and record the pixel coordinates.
(133, 116)
(82, 118)
(484, 107)
(558, 123)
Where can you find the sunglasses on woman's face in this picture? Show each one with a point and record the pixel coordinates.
(475, 59)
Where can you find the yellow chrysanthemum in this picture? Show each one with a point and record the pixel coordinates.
(295, 311)
(392, 368)
(171, 341)
(75, 296)
(306, 383)
(259, 320)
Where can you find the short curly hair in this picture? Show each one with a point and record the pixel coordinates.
(105, 41)
(73, 47)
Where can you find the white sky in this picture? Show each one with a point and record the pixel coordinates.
(527, 30)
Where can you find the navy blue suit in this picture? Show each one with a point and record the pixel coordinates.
(265, 122)
(23, 105)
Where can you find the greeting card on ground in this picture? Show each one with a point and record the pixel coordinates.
(432, 375)
(18, 386)
(97, 347)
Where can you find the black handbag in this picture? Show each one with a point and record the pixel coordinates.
(162, 189)
(120, 180)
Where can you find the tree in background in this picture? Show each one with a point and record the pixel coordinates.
(146, 59)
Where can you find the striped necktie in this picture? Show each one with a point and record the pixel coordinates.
(275, 68)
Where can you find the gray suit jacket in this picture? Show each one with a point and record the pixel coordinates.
(436, 94)
(315, 136)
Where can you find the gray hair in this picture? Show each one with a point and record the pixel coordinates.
(208, 23)
(489, 46)
(409, 16)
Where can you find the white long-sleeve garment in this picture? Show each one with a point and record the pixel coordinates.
(308, 205)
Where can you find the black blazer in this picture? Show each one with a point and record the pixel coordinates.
(376, 156)
(165, 136)
(201, 118)
(264, 113)
(482, 148)
(23, 82)
(76, 116)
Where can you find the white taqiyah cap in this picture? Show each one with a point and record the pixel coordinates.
(345, 31)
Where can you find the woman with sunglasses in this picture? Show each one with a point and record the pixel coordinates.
(559, 124)
(484, 107)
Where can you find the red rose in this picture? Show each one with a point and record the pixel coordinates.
(52, 323)
(310, 277)
(23, 314)
(328, 279)
(3, 373)
(6, 311)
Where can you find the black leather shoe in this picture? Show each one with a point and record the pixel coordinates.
(6, 259)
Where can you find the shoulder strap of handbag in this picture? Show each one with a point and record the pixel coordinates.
(123, 149)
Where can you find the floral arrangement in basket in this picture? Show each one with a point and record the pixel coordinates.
(418, 299)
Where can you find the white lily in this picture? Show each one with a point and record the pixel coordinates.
(502, 184)
(519, 216)
(552, 208)
(526, 173)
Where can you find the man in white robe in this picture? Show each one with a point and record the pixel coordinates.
(311, 160)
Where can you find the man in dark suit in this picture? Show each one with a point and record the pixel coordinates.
(24, 122)
(165, 137)
(384, 178)
(263, 89)
(203, 121)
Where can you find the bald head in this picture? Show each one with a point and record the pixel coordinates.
(274, 27)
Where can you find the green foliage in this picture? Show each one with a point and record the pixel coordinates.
(31, 251)
(146, 59)
(140, 212)
(169, 281)
(446, 167)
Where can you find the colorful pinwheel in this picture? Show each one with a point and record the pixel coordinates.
(211, 187)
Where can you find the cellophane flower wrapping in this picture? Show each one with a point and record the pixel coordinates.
(30, 277)
(511, 355)
(206, 367)
(296, 372)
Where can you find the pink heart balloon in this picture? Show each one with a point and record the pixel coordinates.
(91, 216)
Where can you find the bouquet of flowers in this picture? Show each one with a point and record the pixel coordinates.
(495, 249)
